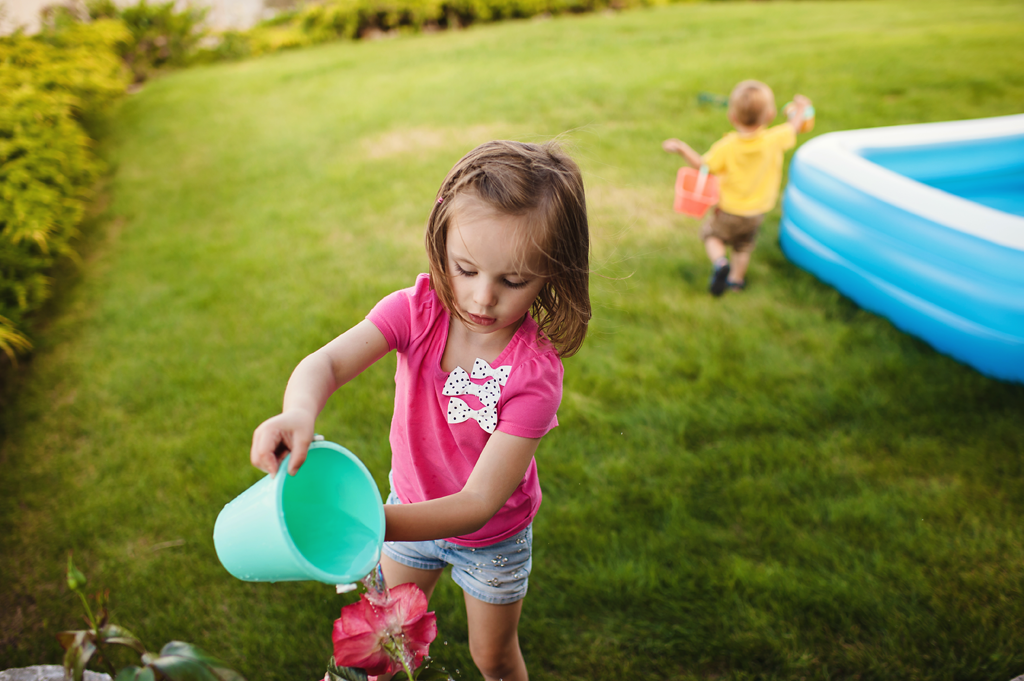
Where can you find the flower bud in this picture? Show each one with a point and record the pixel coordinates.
(76, 580)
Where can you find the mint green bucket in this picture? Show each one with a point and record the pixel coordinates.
(325, 523)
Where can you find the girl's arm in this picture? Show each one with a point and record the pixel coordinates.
(497, 473)
(312, 382)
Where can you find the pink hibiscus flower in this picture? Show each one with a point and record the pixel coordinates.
(385, 638)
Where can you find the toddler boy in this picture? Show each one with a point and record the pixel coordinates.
(748, 164)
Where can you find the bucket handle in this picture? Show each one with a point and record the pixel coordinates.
(701, 179)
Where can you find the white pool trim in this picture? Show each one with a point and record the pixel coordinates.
(839, 155)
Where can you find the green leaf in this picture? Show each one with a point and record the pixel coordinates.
(177, 668)
(180, 661)
(145, 674)
(78, 654)
(70, 638)
(132, 673)
(187, 650)
(116, 634)
(336, 673)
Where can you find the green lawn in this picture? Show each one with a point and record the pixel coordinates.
(771, 485)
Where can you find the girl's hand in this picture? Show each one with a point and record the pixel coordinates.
(288, 432)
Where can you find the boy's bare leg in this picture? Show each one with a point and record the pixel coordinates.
(494, 639)
(740, 262)
(715, 248)
(395, 573)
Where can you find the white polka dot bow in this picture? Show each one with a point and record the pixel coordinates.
(458, 383)
(481, 369)
(488, 393)
(459, 411)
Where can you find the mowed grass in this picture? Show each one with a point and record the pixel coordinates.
(771, 485)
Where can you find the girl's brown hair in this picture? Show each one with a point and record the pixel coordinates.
(542, 185)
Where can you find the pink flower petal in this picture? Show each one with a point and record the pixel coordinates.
(382, 664)
(419, 634)
(408, 601)
(363, 628)
(354, 619)
(352, 651)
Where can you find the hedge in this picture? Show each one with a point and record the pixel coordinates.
(49, 85)
(354, 19)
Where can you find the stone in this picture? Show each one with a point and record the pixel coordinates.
(46, 672)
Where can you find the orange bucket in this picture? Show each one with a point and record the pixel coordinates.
(696, 191)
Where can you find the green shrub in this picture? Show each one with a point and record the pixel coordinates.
(160, 36)
(351, 19)
(49, 84)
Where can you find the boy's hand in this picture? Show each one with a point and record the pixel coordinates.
(800, 104)
(673, 146)
(288, 432)
(796, 113)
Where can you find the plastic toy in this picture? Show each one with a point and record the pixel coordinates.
(808, 120)
(696, 191)
(325, 523)
(712, 99)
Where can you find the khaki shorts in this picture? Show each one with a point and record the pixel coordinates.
(738, 231)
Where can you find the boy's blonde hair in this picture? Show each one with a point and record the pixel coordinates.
(542, 185)
(752, 103)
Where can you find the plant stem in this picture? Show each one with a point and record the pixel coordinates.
(106, 661)
(88, 610)
(408, 671)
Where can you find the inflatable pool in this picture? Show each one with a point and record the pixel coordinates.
(923, 224)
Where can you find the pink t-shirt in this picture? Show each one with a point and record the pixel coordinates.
(442, 421)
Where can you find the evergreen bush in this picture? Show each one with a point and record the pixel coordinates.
(160, 35)
(49, 85)
(354, 19)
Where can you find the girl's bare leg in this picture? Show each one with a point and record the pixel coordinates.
(494, 639)
(395, 573)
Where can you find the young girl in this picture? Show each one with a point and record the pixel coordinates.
(480, 341)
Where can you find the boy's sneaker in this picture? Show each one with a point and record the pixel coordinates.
(737, 285)
(719, 278)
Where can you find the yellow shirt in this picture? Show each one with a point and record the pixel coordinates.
(749, 169)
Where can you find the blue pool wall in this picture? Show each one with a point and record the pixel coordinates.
(962, 292)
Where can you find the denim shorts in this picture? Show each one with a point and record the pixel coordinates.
(498, 574)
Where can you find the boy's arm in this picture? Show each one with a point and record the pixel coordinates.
(497, 473)
(674, 146)
(312, 382)
(795, 116)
